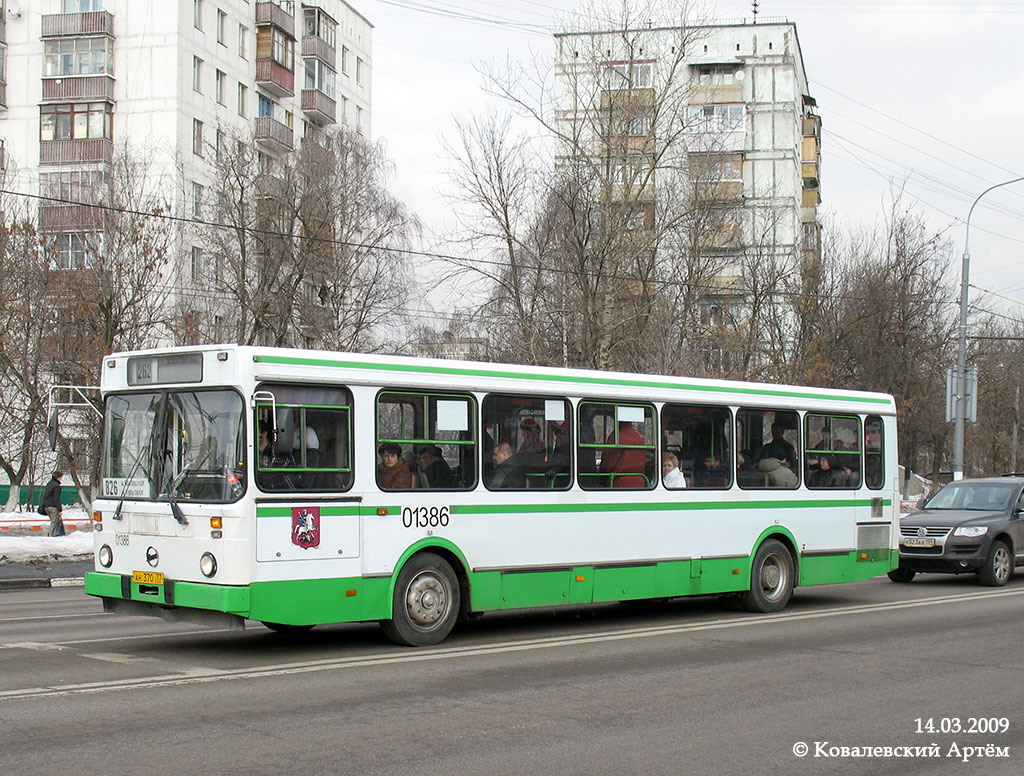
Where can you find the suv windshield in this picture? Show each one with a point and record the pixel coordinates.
(181, 445)
(986, 496)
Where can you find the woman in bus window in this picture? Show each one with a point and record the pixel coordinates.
(671, 476)
(393, 474)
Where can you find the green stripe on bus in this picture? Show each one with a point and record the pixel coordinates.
(441, 370)
(661, 506)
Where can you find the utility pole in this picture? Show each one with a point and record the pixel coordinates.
(960, 400)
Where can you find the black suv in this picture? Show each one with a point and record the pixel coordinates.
(970, 526)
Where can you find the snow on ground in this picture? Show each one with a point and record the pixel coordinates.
(23, 537)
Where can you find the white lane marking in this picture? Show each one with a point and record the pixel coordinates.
(203, 675)
(117, 657)
(52, 617)
(38, 646)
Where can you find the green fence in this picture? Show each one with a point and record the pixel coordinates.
(68, 494)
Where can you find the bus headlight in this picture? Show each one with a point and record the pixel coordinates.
(208, 564)
(105, 555)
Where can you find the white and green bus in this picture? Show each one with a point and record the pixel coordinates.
(298, 487)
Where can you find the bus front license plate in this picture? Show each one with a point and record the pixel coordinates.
(914, 541)
(148, 577)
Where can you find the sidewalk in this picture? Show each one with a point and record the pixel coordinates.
(30, 558)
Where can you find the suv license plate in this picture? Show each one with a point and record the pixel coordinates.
(917, 541)
(148, 577)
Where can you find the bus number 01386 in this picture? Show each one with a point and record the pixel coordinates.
(424, 517)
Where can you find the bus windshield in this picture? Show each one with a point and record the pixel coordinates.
(174, 445)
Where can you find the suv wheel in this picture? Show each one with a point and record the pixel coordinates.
(902, 576)
(998, 565)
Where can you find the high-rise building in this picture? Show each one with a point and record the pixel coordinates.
(169, 79)
(710, 126)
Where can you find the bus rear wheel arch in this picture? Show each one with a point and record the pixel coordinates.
(772, 578)
(426, 602)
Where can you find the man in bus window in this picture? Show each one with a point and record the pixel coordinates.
(505, 475)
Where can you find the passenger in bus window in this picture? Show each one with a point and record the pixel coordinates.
(505, 475)
(625, 464)
(271, 458)
(392, 474)
(439, 474)
(671, 476)
(779, 448)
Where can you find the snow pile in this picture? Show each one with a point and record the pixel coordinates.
(23, 537)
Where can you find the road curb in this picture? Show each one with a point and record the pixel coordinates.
(23, 584)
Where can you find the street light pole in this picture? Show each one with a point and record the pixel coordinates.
(961, 351)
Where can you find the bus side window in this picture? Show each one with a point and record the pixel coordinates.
(312, 450)
(769, 448)
(616, 446)
(701, 439)
(832, 458)
(435, 437)
(527, 442)
(874, 453)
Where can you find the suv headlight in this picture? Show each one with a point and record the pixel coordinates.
(971, 530)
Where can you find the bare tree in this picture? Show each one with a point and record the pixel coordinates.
(305, 250)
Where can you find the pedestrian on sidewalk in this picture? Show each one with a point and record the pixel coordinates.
(51, 503)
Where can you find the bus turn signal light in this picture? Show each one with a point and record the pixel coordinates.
(215, 522)
(97, 517)
(382, 511)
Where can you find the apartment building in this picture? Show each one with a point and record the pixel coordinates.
(79, 77)
(717, 116)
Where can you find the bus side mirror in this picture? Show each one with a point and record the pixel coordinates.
(51, 430)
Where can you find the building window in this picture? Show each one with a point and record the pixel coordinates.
(316, 24)
(266, 107)
(344, 110)
(715, 118)
(243, 33)
(282, 50)
(197, 14)
(197, 137)
(289, 119)
(70, 250)
(81, 6)
(359, 119)
(222, 20)
(197, 262)
(627, 75)
(359, 70)
(320, 76)
(222, 79)
(220, 143)
(78, 121)
(197, 199)
(344, 60)
(79, 56)
(243, 98)
(197, 74)
(717, 168)
(719, 75)
(78, 186)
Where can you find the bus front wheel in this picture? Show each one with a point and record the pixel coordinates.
(426, 602)
(771, 579)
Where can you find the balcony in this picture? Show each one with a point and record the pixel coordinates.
(314, 46)
(72, 151)
(91, 23)
(69, 88)
(318, 107)
(281, 14)
(69, 218)
(272, 132)
(275, 78)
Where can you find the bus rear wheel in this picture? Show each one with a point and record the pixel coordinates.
(426, 602)
(771, 579)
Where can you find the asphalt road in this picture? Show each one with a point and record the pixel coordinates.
(685, 687)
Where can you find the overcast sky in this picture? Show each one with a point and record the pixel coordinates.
(929, 95)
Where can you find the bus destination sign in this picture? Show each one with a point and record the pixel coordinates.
(172, 368)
